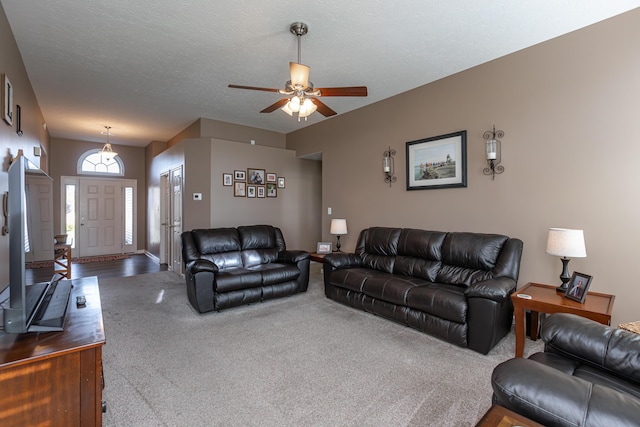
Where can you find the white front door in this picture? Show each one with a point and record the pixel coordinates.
(101, 219)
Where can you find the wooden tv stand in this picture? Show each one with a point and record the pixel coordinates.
(55, 378)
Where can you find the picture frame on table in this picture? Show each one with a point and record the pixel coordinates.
(251, 191)
(323, 248)
(239, 175)
(256, 176)
(578, 287)
(281, 182)
(227, 179)
(271, 177)
(240, 189)
(261, 191)
(437, 162)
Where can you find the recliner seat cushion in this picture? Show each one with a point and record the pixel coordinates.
(352, 278)
(391, 288)
(276, 273)
(445, 301)
(235, 279)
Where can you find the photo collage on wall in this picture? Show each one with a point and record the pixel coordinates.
(253, 183)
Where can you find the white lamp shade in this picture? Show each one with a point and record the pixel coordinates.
(565, 242)
(338, 226)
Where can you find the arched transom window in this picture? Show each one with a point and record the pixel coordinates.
(94, 163)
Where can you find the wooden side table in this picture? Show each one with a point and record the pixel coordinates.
(62, 259)
(498, 416)
(314, 256)
(545, 299)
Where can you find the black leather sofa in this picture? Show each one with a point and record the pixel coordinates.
(228, 267)
(455, 286)
(587, 376)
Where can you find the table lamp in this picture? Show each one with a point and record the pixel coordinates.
(567, 244)
(339, 228)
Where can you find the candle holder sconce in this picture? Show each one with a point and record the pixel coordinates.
(494, 152)
(388, 166)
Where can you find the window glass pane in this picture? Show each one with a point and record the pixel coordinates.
(94, 162)
(70, 214)
(128, 215)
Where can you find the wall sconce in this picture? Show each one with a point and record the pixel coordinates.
(388, 166)
(494, 155)
(338, 228)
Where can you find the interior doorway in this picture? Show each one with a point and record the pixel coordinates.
(171, 184)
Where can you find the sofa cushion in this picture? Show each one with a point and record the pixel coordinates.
(233, 279)
(352, 278)
(216, 240)
(469, 257)
(445, 301)
(419, 253)
(261, 237)
(253, 257)
(378, 246)
(276, 273)
(391, 288)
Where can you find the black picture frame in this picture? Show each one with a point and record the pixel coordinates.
(578, 287)
(437, 162)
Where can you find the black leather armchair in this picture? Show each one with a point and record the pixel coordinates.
(588, 375)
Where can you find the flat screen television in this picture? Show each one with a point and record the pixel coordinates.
(31, 307)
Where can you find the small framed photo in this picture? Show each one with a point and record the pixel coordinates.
(240, 189)
(227, 179)
(272, 191)
(281, 182)
(271, 177)
(251, 191)
(260, 191)
(239, 176)
(324, 248)
(578, 287)
(256, 176)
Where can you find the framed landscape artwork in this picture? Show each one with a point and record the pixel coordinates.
(437, 162)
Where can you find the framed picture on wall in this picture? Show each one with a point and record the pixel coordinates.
(281, 182)
(437, 162)
(260, 189)
(240, 189)
(272, 191)
(251, 191)
(256, 176)
(271, 177)
(7, 100)
(239, 176)
(227, 179)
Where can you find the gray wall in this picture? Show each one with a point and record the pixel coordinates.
(34, 134)
(569, 110)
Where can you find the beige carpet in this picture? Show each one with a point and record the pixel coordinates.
(299, 361)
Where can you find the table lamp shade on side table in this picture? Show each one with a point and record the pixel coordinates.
(565, 243)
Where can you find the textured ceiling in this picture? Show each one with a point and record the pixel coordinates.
(148, 68)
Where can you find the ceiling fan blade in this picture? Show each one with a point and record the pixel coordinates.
(273, 107)
(266, 89)
(323, 108)
(299, 75)
(343, 91)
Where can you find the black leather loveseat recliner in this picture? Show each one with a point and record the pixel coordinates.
(455, 286)
(587, 376)
(228, 267)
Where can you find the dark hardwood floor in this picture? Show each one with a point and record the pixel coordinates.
(135, 264)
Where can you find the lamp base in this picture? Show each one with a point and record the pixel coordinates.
(562, 288)
(338, 245)
(564, 276)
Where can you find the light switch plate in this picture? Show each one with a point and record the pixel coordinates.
(197, 196)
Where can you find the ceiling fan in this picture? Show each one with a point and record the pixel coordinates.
(302, 98)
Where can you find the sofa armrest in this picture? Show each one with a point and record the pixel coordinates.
(292, 257)
(498, 289)
(613, 350)
(551, 397)
(202, 266)
(342, 260)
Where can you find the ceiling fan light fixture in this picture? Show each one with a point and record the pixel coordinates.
(299, 75)
(307, 108)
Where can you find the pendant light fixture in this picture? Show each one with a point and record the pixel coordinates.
(107, 152)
